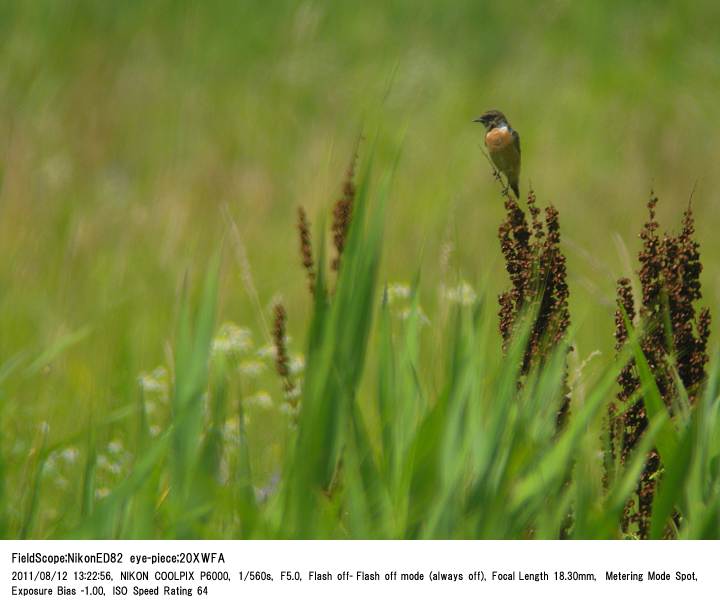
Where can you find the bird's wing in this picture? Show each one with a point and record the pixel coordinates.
(516, 141)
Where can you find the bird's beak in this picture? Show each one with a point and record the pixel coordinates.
(479, 119)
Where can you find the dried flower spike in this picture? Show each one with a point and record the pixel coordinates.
(672, 334)
(306, 253)
(342, 213)
(279, 340)
(537, 271)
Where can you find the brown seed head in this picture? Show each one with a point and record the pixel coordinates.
(279, 340)
(342, 213)
(306, 253)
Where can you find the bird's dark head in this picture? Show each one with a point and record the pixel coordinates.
(491, 119)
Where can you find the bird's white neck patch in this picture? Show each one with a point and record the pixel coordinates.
(502, 127)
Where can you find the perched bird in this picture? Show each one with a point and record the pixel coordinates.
(503, 144)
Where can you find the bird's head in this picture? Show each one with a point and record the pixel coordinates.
(491, 119)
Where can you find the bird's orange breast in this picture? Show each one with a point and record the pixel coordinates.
(498, 139)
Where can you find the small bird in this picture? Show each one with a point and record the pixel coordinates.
(503, 144)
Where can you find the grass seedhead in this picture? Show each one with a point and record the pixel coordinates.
(281, 357)
(342, 213)
(306, 251)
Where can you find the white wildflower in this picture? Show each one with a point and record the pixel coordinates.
(50, 464)
(462, 294)
(155, 382)
(70, 455)
(260, 399)
(397, 291)
(232, 340)
(251, 368)
(408, 312)
(297, 364)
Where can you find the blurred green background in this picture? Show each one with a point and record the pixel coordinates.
(127, 128)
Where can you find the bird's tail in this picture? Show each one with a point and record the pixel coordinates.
(515, 188)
